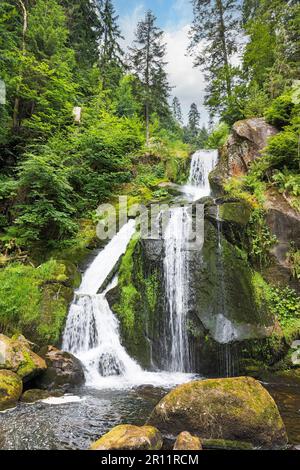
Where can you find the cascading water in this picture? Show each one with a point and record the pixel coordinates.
(176, 272)
(225, 332)
(203, 162)
(176, 263)
(92, 330)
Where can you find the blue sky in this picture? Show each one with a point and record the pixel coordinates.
(167, 11)
(174, 17)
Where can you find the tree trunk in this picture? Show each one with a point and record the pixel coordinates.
(224, 45)
(16, 112)
(147, 76)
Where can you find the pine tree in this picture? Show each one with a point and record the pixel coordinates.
(216, 23)
(147, 59)
(111, 55)
(194, 120)
(177, 112)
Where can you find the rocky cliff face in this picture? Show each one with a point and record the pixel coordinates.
(245, 144)
(284, 223)
(224, 313)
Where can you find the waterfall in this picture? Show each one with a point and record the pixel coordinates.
(203, 162)
(225, 331)
(176, 270)
(176, 263)
(92, 330)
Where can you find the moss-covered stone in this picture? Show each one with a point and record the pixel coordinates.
(16, 355)
(185, 441)
(129, 437)
(233, 409)
(138, 299)
(10, 389)
(223, 444)
(236, 212)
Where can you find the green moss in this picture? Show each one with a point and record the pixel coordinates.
(129, 437)
(10, 389)
(237, 212)
(226, 444)
(34, 300)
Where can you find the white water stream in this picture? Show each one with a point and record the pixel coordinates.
(92, 330)
(176, 262)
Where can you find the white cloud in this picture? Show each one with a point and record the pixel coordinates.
(189, 81)
(128, 23)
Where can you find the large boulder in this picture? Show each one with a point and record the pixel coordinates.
(64, 371)
(129, 437)
(245, 144)
(10, 389)
(232, 409)
(185, 441)
(16, 355)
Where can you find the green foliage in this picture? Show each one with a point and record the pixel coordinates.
(283, 302)
(260, 237)
(280, 112)
(129, 295)
(34, 301)
(294, 261)
(218, 136)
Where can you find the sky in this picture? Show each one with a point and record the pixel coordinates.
(174, 17)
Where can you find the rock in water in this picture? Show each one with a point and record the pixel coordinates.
(10, 389)
(64, 371)
(185, 441)
(33, 395)
(235, 409)
(128, 437)
(16, 355)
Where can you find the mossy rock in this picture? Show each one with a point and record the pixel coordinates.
(223, 444)
(231, 409)
(16, 355)
(235, 212)
(10, 389)
(185, 441)
(129, 437)
(33, 395)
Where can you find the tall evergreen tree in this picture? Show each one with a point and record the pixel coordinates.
(216, 24)
(147, 59)
(177, 112)
(111, 53)
(194, 120)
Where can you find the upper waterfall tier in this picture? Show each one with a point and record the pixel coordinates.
(203, 162)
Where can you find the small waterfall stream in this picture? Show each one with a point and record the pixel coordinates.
(92, 330)
(176, 263)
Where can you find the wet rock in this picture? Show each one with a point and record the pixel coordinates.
(249, 137)
(33, 395)
(10, 389)
(64, 371)
(128, 437)
(284, 223)
(16, 355)
(185, 441)
(231, 409)
(223, 444)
